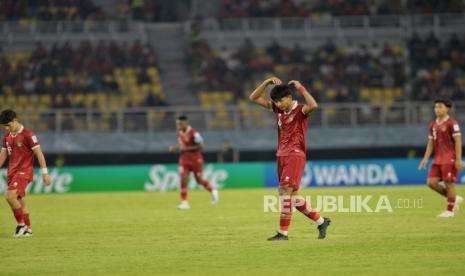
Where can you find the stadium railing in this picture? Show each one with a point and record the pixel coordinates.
(154, 119)
(12, 32)
(382, 27)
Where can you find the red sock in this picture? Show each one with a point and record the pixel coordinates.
(183, 189)
(286, 214)
(302, 206)
(450, 204)
(19, 215)
(206, 185)
(26, 220)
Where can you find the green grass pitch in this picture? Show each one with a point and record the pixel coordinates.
(143, 233)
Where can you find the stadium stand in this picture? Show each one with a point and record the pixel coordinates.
(50, 10)
(321, 8)
(105, 77)
(380, 75)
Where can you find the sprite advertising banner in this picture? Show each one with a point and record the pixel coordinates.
(165, 177)
(158, 177)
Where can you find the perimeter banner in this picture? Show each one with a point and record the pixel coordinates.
(370, 172)
(153, 178)
(165, 177)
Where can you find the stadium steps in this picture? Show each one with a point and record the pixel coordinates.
(168, 41)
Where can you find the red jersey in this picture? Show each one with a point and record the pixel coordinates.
(442, 133)
(190, 137)
(291, 130)
(20, 151)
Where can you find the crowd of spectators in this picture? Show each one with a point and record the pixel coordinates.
(437, 69)
(295, 8)
(66, 70)
(424, 66)
(50, 10)
(334, 73)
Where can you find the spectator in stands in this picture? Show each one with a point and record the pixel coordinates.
(228, 154)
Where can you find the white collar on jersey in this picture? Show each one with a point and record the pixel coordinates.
(440, 122)
(19, 131)
(294, 105)
(187, 129)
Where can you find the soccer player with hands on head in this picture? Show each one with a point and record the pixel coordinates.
(21, 145)
(444, 138)
(292, 121)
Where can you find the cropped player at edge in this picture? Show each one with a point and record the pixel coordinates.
(292, 121)
(190, 159)
(444, 138)
(21, 145)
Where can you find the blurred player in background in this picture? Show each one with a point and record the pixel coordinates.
(20, 144)
(190, 159)
(444, 138)
(292, 121)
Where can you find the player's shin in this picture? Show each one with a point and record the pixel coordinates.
(286, 214)
(183, 188)
(302, 206)
(437, 188)
(451, 196)
(18, 214)
(204, 183)
(27, 221)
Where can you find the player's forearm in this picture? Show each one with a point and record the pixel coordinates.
(458, 147)
(429, 150)
(257, 93)
(2, 157)
(2, 160)
(311, 102)
(41, 159)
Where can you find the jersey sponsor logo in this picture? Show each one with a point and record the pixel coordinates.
(444, 129)
(20, 143)
(34, 139)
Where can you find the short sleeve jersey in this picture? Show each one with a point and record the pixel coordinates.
(442, 134)
(292, 127)
(190, 137)
(20, 148)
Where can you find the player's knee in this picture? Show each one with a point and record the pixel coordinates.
(285, 190)
(450, 185)
(10, 196)
(432, 183)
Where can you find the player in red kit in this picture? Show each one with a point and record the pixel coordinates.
(190, 145)
(20, 145)
(292, 121)
(444, 138)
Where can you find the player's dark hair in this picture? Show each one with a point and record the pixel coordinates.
(280, 91)
(447, 103)
(182, 118)
(7, 116)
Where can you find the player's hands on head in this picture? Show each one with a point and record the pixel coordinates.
(47, 179)
(422, 165)
(173, 149)
(296, 84)
(459, 164)
(274, 81)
